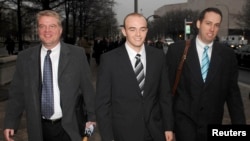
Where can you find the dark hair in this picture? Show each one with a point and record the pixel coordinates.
(210, 9)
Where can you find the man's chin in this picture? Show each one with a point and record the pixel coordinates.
(49, 44)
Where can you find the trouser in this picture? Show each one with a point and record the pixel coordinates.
(53, 131)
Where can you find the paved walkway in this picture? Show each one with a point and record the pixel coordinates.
(22, 135)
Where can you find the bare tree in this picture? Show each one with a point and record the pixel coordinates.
(82, 17)
(172, 24)
(244, 19)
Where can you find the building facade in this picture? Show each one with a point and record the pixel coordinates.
(231, 10)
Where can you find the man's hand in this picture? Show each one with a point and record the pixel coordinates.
(89, 129)
(169, 135)
(8, 134)
(90, 123)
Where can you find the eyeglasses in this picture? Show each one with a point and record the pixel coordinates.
(49, 27)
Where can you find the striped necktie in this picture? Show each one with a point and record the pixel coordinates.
(47, 88)
(204, 63)
(139, 72)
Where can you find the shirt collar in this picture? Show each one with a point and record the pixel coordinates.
(132, 53)
(55, 49)
(200, 44)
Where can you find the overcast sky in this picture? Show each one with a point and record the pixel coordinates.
(146, 7)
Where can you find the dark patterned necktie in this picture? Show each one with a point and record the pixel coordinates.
(139, 72)
(204, 64)
(47, 88)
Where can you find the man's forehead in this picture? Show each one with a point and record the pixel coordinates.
(136, 27)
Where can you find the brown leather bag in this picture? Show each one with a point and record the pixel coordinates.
(179, 69)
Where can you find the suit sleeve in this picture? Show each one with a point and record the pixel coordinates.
(166, 99)
(103, 100)
(234, 100)
(15, 104)
(88, 89)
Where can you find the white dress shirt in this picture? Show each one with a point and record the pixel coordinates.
(200, 49)
(54, 56)
(132, 54)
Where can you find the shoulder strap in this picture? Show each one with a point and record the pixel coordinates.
(179, 69)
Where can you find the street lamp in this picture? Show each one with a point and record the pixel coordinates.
(136, 6)
(154, 16)
(227, 16)
(147, 19)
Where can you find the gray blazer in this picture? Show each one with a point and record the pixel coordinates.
(74, 78)
(122, 112)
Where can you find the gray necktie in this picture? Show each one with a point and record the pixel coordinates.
(47, 88)
(139, 72)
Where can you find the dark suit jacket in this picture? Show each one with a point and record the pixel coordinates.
(74, 78)
(123, 114)
(198, 104)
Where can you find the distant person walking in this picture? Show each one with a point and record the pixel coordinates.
(84, 42)
(10, 45)
(159, 44)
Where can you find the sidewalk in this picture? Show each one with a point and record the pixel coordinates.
(22, 136)
(245, 93)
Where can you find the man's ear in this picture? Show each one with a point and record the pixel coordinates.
(123, 31)
(198, 23)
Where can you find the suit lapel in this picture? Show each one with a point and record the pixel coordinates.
(127, 68)
(63, 59)
(193, 64)
(149, 69)
(215, 63)
(34, 71)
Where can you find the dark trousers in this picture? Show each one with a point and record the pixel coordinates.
(53, 131)
(10, 52)
(88, 57)
(147, 135)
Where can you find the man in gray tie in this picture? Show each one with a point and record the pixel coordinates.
(206, 83)
(133, 100)
(139, 72)
(48, 81)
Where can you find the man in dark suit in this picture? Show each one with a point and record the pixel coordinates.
(71, 78)
(200, 101)
(126, 111)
